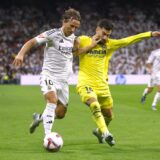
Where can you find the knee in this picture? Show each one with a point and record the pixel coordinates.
(60, 115)
(51, 100)
(60, 112)
(150, 90)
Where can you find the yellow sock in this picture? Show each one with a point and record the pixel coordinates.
(98, 117)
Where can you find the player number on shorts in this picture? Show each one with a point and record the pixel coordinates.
(48, 82)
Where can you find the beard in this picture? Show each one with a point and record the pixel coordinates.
(102, 42)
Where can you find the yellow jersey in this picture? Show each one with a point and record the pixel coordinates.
(93, 65)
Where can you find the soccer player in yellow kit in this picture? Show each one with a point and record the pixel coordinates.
(94, 55)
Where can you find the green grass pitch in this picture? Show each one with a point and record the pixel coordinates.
(135, 127)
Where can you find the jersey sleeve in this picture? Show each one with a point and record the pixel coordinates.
(45, 36)
(83, 41)
(119, 43)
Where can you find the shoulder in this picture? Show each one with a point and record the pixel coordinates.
(155, 53)
(110, 40)
(47, 35)
(84, 39)
(52, 31)
(72, 37)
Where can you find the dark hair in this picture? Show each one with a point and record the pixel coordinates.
(105, 23)
(71, 13)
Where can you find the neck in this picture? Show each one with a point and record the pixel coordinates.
(63, 30)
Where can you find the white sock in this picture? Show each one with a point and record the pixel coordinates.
(145, 92)
(156, 99)
(48, 117)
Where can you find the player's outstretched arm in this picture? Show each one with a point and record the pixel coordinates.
(18, 61)
(155, 34)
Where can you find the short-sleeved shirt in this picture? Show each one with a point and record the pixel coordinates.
(58, 55)
(154, 59)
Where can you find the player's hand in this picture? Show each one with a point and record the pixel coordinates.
(155, 34)
(18, 61)
(95, 40)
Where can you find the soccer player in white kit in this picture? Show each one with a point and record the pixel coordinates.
(153, 66)
(57, 66)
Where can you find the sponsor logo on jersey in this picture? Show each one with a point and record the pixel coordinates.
(97, 52)
(65, 50)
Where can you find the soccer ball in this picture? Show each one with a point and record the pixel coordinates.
(53, 142)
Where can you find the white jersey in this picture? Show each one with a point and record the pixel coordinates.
(154, 59)
(58, 55)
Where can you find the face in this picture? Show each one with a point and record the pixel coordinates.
(70, 26)
(103, 34)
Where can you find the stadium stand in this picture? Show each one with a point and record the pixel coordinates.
(19, 22)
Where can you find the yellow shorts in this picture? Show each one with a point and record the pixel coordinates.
(102, 95)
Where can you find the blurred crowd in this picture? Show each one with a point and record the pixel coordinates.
(19, 23)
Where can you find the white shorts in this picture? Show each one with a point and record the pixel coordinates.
(154, 81)
(61, 89)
